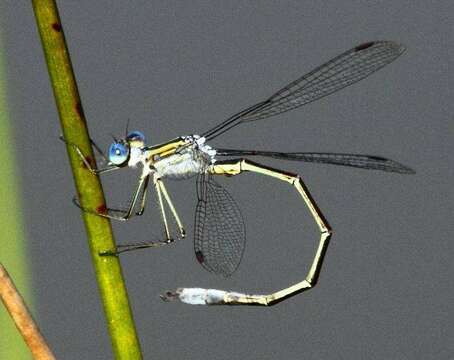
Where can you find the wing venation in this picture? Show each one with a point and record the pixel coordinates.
(369, 162)
(220, 237)
(339, 72)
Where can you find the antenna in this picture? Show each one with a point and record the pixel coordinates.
(127, 127)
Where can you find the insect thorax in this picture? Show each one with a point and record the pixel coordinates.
(190, 159)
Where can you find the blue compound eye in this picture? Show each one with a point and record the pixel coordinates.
(135, 136)
(118, 153)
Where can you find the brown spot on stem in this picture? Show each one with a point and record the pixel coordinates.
(56, 27)
(79, 110)
(89, 160)
(101, 209)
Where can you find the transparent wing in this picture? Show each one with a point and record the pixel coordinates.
(355, 160)
(344, 70)
(219, 232)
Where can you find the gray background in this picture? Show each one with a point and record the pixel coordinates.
(174, 68)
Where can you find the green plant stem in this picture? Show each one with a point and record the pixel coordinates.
(108, 271)
(13, 245)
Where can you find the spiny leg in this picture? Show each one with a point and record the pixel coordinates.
(172, 208)
(100, 152)
(211, 296)
(126, 214)
(79, 152)
(156, 181)
(143, 197)
(144, 245)
(130, 247)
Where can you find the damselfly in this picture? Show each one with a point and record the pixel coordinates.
(219, 235)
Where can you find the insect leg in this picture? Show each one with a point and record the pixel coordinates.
(172, 208)
(86, 162)
(161, 206)
(144, 245)
(143, 196)
(109, 212)
(100, 152)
